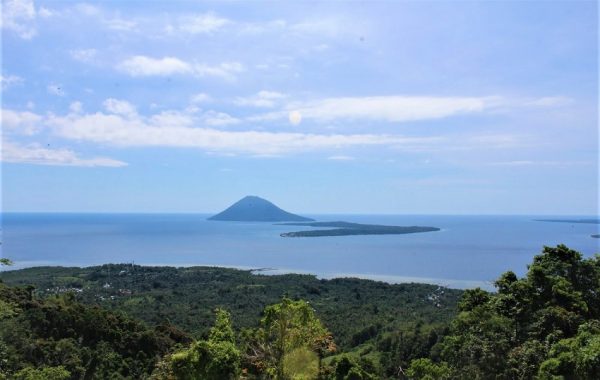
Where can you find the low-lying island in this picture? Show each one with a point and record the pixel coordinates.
(347, 228)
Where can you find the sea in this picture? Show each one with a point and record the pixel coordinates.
(469, 250)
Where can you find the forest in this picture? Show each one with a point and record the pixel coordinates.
(122, 321)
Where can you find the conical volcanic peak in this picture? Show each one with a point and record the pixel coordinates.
(255, 209)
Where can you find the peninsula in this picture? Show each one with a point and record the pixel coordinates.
(346, 228)
(256, 209)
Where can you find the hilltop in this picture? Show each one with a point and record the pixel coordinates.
(256, 209)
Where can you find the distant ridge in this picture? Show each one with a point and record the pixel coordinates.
(255, 209)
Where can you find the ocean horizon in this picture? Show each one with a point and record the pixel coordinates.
(468, 251)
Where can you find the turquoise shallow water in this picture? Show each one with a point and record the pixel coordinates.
(468, 251)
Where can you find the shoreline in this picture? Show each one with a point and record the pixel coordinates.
(265, 271)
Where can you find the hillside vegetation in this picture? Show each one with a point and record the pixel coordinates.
(94, 323)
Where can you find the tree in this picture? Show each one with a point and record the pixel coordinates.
(288, 330)
(214, 359)
(542, 325)
(425, 369)
(5, 262)
(44, 373)
(301, 364)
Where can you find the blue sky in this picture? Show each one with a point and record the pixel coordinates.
(321, 107)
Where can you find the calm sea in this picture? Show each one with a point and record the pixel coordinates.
(469, 250)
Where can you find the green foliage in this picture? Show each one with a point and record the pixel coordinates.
(5, 262)
(301, 364)
(425, 369)
(285, 328)
(578, 356)
(544, 325)
(347, 368)
(44, 373)
(186, 297)
(217, 358)
(59, 332)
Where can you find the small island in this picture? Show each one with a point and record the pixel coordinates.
(347, 229)
(584, 221)
(255, 209)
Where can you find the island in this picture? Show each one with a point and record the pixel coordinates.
(585, 221)
(255, 209)
(347, 228)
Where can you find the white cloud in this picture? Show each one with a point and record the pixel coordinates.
(266, 99)
(391, 108)
(171, 119)
(38, 155)
(120, 24)
(10, 80)
(340, 158)
(200, 98)
(218, 119)
(25, 123)
(46, 13)
(87, 9)
(83, 55)
(119, 107)
(140, 65)
(19, 16)
(550, 101)
(399, 108)
(76, 107)
(55, 89)
(200, 23)
(225, 70)
(146, 66)
(116, 130)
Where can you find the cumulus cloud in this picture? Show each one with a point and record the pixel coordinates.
(76, 107)
(119, 107)
(200, 98)
(203, 23)
(225, 70)
(146, 66)
(25, 122)
(171, 119)
(7, 81)
(218, 119)
(117, 130)
(46, 13)
(19, 16)
(38, 155)
(267, 99)
(140, 65)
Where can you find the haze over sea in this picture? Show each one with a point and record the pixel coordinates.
(469, 251)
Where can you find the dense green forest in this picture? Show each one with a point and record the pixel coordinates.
(132, 322)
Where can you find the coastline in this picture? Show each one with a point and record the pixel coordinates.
(389, 279)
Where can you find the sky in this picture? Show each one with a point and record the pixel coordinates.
(386, 107)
